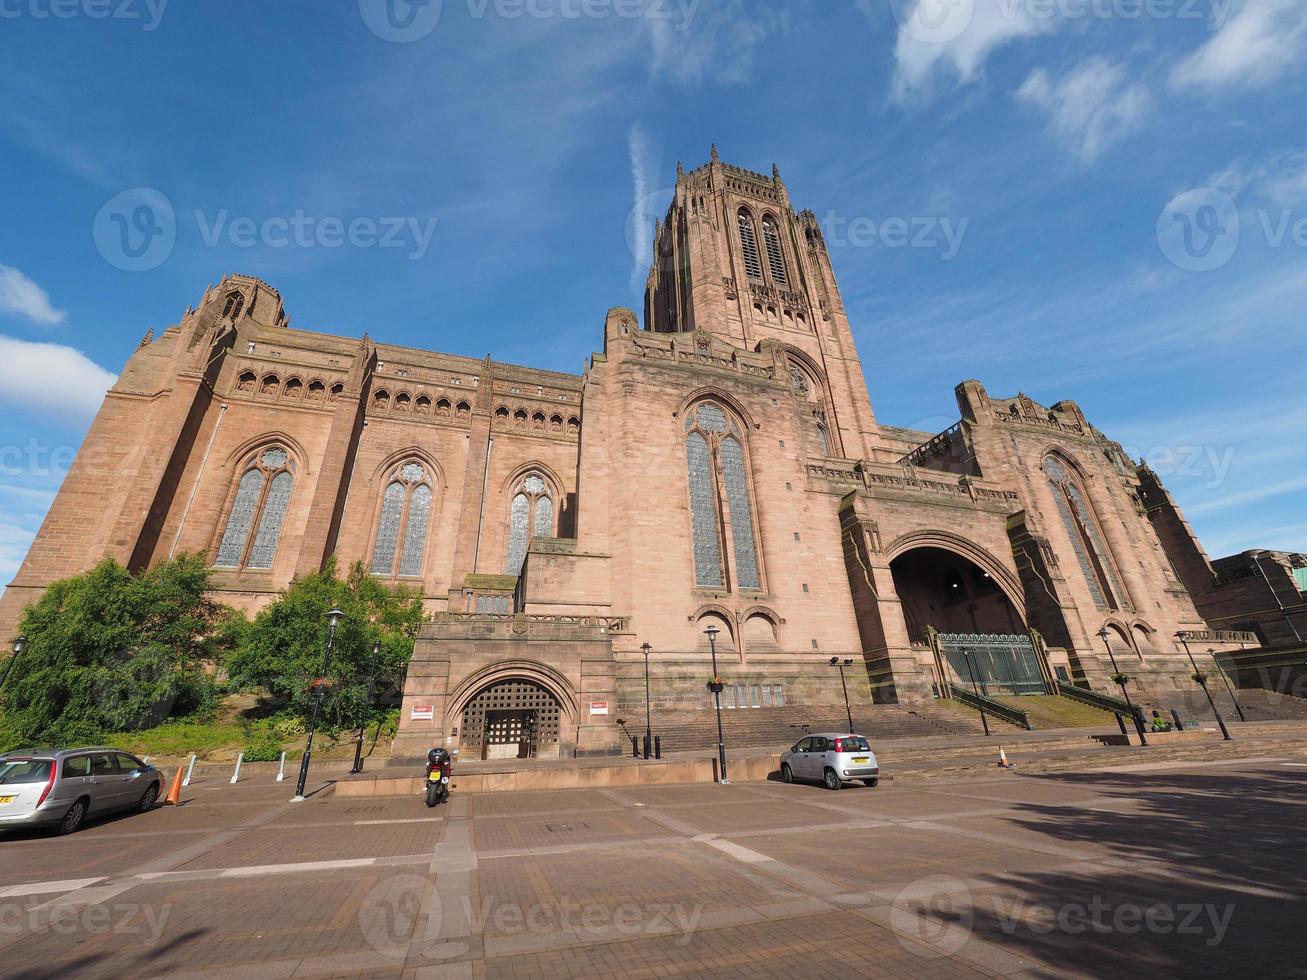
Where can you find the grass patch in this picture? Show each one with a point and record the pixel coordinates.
(181, 738)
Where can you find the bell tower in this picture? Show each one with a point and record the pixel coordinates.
(733, 258)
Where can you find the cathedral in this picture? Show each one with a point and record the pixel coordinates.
(714, 487)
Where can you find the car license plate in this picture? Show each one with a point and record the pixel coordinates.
(7, 799)
(861, 760)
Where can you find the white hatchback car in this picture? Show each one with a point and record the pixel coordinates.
(833, 758)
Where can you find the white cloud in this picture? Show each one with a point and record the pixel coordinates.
(643, 167)
(698, 40)
(1262, 41)
(940, 40)
(20, 295)
(50, 378)
(1090, 108)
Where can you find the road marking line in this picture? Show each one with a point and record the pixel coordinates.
(738, 852)
(45, 887)
(1295, 765)
(277, 869)
(374, 823)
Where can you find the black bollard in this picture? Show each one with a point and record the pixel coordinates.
(635, 747)
(658, 746)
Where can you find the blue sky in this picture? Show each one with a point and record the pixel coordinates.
(1103, 200)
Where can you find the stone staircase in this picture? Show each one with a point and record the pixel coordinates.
(784, 726)
(1055, 711)
(1257, 704)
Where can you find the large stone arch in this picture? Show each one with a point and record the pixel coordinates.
(1002, 574)
(530, 695)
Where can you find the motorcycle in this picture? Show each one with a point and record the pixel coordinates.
(439, 772)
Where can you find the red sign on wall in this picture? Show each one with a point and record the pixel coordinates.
(598, 707)
(423, 712)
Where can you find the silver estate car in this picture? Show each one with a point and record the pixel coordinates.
(833, 758)
(62, 787)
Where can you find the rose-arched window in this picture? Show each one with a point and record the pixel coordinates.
(720, 507)
(262, 495)
(401, 540)
(1086, 536)
(531, 515)
(749, 245)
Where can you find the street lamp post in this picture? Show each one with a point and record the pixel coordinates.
(975, 688)
(1228, 689)
(1116, 672)
(1201, 680)
(20, 645)
(333, 620)
(711, 632)
(648, 722)
(367, 707)
(841, 664)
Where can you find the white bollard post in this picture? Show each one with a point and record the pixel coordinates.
(237, 774)
(189, 770)
(146, 760)
(281, 772)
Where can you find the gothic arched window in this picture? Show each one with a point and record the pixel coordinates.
(749, 245)
(775, 260)
(402, 527)
(1086, 537)
(719, 497)
(531, 515)
(260, 505)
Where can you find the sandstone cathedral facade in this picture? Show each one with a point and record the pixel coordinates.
(717, 465)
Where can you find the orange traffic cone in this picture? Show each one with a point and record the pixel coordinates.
(174, 796)
(1002, 760)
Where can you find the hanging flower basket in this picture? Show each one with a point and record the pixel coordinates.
(715, 684)
(1122, 679)
(1201, 678)
(321, 685)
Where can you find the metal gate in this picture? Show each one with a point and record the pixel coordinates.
(997, 664)
(511, 719)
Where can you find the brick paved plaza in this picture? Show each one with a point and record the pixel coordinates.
(1178, 869)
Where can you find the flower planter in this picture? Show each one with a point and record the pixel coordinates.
(716, 686)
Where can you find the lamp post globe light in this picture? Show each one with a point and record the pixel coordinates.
(1105, 636)
(367, 707)
(1201, 679)
(20, 645)
(645, 648)
(711, 632)
(841, 664)
(334, 617)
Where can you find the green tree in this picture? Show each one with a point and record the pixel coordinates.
(111, 651)
(282, 649)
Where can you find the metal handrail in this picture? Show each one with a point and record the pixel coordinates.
(997, 708)
(1093, 698)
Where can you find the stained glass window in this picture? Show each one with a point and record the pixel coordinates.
(799, 381)
(711, 418)
(703, 513)
(775, 261)
(240, 520)
(383, 552)
(415, 534)
(274, 513)
(1086, 539)
(519, 522)
(737, 497)
(262, 497)
(749, 246)
(544, 524)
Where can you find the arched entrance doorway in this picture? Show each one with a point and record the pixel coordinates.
(971, 620)
(953, 594)
(512, 719)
